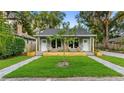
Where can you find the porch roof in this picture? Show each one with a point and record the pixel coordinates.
(51, 32)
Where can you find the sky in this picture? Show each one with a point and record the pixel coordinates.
(70, 16)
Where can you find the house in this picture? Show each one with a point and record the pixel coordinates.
(85, 41)
(117, 43)
(30, 41)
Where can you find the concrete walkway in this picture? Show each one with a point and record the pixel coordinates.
(113, 54)
(114, 67)
(9, 69)
(66, 79)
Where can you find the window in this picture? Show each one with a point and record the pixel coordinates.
(85, 41)
(56, 43)
(44, 41)
(71, 44)
(74, 44)
(53, 44)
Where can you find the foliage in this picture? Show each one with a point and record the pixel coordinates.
(42, 20)
(25, 18)
(103, 23)
(46, 19)
(62, 32)
(11, 46)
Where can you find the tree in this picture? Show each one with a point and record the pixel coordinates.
(47, 19)
(25, 18)
(61, 37)
(102, 23)
(5, 34)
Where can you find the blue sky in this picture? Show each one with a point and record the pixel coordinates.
(70, 16)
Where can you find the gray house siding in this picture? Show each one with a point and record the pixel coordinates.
(86, 41)
(81, 45)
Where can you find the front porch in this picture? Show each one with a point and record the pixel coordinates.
(85, 44)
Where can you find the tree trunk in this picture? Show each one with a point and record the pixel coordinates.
(63, 50)
(106, 36)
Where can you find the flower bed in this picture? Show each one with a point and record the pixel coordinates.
(64, 53)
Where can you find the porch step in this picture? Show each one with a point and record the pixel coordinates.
(90, 53)
(39, 53)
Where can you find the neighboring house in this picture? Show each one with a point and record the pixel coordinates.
(30, 42)
(85, 41)
(116, 43)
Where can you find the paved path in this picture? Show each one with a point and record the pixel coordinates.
(115, 67)
(113, 54)
(66, 79)
(9, 69)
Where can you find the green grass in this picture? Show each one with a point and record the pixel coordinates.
(115, 60)
(10, 61)
(47, 67)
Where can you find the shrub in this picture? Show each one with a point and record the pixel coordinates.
(11, 46)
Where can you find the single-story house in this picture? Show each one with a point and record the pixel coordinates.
(30, 42)
(116, 43)
(85, 41)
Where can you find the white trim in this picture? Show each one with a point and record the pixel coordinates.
(66, 35)
(42, 45)
(36, 45)
(88, 42)
(93, 45)
(39, 44)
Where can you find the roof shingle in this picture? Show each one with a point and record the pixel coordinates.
(55, 31)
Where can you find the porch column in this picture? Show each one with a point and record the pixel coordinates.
(56, 43)
(90, 43)
(93, 44)
(50, 46)
(36, 45)
(39, 48)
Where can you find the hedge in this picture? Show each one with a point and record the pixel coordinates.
(11, 46)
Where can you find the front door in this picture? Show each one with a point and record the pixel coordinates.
(85, 44)
(43, 45)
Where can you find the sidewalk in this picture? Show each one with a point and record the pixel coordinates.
(9, 69)
(114, 67)
(113, 54)
(66, 79)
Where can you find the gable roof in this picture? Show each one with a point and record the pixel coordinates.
(50, 32)
(117, 39)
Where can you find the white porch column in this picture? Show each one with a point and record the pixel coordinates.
(39, 43)
(50, 46)
(93, 44)
(90, 43)
(36, 45)
(56, 43)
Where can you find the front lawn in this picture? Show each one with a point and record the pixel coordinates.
(115, 60)
(78, 67)
(10, 61)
